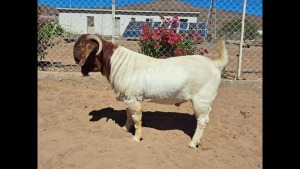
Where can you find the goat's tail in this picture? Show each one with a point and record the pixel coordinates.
(221, 62)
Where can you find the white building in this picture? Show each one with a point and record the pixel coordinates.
(81, 21)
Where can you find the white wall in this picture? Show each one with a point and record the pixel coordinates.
(103, 24)
(77, 22)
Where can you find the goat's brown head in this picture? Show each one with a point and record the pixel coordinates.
(93, 54)
(85, 50)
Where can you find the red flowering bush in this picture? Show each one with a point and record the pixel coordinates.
(164, 42)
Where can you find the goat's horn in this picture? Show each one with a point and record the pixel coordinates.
(96, 38)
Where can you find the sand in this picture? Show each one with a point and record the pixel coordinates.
(79, 126)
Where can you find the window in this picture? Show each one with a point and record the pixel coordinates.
(90, 20)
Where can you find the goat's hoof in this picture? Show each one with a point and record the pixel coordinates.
(192, 145)
(136, 139)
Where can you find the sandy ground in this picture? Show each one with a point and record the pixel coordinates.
(79, 126)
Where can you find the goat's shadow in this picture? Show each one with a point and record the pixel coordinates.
(158, 120)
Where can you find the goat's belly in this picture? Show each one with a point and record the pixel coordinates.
(170, 101)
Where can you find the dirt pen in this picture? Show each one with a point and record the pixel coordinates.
(79, 119)
(79, 126)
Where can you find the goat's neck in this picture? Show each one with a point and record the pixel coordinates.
(123, 60)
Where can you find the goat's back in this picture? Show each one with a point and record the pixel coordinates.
(139, 74)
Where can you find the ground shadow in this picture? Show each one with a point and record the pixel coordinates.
(157, 120)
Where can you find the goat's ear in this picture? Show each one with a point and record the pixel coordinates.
(89, 48)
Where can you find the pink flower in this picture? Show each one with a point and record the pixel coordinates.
(156, 36)
(172, 30)
(146, 28)
(164, 42)
(169, 20)
(178, 52)
(197, 37)
(171, 41)
(163, 31)
(143, 36)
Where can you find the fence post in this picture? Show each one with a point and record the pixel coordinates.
(113, 20)
(242, 41)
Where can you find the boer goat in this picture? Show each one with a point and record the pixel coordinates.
(136, 77)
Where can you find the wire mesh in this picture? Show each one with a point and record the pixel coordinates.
(60, 23)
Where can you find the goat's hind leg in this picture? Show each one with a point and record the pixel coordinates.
(201, 111)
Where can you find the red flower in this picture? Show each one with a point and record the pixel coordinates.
(143, 36)
(178, 52)
(156, 36)
(146, 28)
(205, 50)
(164, 42)
(197, 37)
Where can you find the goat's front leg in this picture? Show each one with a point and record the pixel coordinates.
(134, 108)
(129, 122)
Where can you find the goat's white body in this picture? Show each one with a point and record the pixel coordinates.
(135, 76)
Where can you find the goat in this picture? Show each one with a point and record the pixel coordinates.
(135, 77)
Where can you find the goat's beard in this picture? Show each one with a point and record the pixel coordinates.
(85, 69)
(90, 65)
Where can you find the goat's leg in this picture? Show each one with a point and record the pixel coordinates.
(129, 122)
(201, 111)
(135, 109)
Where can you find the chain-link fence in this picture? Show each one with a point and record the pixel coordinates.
(198, 23)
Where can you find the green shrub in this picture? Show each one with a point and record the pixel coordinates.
(47, 30)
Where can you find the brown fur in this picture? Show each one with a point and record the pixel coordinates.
(104, 57)
(84, 51)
